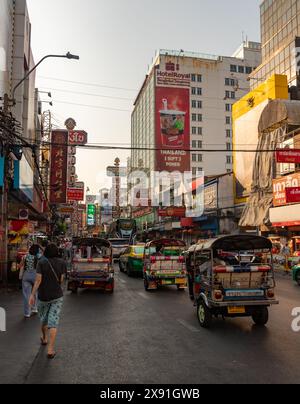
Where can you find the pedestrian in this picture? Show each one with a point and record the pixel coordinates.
(28, 268)
(49, 279)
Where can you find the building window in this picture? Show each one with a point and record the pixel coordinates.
(233, 68)
(229, 171)
(194, 130)
(199, 91)
(228, 133)
(193, 78)
(194, 157)
(228, 146)
(200, 144)
(194, 171)
(228, 107)
(200, 117)
(228, 159)
(228, 120)
(200, 131)
(233, 95)
(199, 104)
(194, 144)
(227, 82)
(193, 90)
(200, 169)
(241, 69)
(194, 117)
(194, 104)
(248, 70)
(200, 158)
(199, 78)
(227, 94)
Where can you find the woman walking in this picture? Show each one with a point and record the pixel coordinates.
(28, 275)
(50, 274)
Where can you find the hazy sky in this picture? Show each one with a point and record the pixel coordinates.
(116, 41)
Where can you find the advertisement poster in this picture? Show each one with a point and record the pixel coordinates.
(59, 164)
(172, 129)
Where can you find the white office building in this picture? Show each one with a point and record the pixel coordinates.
(214, 84)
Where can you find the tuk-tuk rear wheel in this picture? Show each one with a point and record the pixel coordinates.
(204, 315)
(261, 316)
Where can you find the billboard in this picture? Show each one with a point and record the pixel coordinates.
(280, 185)
(91, 215)
(288, 156)
(172, 129)
(75, 194)
(59, 164)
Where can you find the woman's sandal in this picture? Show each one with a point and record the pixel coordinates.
(43, 342)
(51, 356)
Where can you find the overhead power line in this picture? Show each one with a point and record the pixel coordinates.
(88, 94)
(92, 106)
(87, 84)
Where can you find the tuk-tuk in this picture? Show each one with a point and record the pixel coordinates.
(233, 276)
(92, 265)
(164, 264)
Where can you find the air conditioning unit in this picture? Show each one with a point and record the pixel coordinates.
(23, 214)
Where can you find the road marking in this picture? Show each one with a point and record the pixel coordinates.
(143, 295)
(188, 326)
(122, 281)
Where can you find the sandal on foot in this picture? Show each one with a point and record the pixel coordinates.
(51, 356)
(43, 342)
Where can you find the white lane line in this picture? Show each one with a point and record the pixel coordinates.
(122, 281)
(188, 326)
(143, 295)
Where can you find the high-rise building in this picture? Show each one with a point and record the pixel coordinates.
(184, 108)
(280, 32)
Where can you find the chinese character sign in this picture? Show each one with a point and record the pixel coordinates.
(59, 163)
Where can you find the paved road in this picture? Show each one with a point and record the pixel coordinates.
(139, 337)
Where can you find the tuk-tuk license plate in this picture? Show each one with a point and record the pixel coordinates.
(236, 310)
(180, 281)
(167, 282)
(89, 283)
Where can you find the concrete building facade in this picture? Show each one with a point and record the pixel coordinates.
(214, 84)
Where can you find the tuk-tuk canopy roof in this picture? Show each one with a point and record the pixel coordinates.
(90, 241)
(164, 242)
(237, 243)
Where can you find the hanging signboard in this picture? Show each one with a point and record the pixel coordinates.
(75, 194)
(291, 156)
(59, 163)
(78, 137)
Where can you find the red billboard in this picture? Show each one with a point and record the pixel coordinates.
(292, 195)
(75, 194)
(291, 156)
(59, 164)
(172, 212)
(172, 129)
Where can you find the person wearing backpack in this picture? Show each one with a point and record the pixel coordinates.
(50, 275)
(28, 276)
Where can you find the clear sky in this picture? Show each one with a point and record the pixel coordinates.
(116, 41)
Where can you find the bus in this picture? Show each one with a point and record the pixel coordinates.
(123, 228)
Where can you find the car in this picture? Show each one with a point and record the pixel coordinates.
(119, 245)
(296, 274)
(131, 261)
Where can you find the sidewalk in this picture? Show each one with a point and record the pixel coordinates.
(19, 345)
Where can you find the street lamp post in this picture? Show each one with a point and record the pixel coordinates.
(7, 104)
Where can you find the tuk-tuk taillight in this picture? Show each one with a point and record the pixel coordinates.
(270, 294)
(218, 295)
